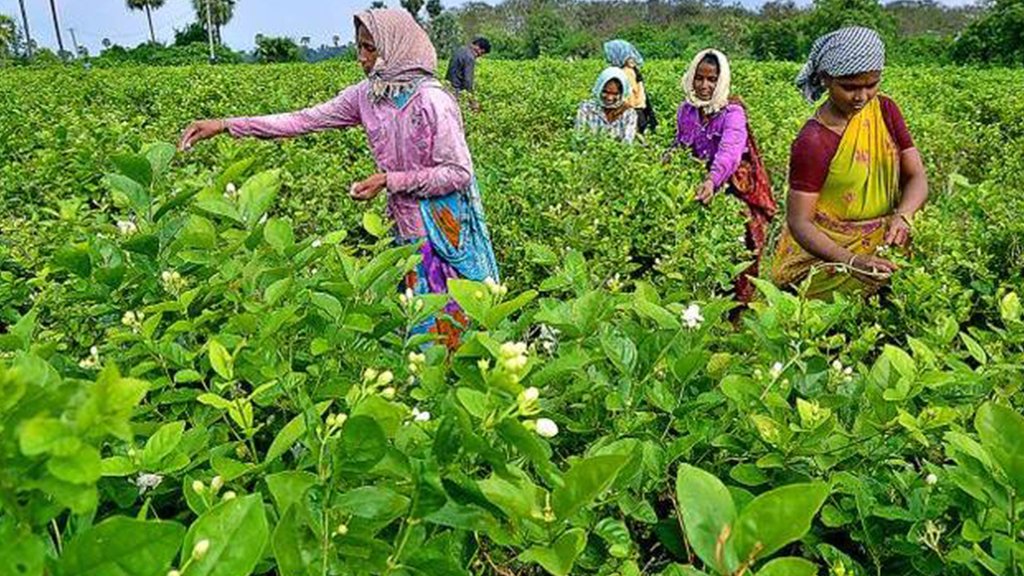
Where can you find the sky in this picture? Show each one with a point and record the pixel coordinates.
(94, 20)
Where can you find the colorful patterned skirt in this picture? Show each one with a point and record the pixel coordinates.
(457, 245)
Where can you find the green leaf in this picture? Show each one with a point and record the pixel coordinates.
(22, 553)
(161, 444)
(237, 532)
(977, 352)
(620, 350)
(121, 546)
(585, 481)
(373, 502)
(1001, 430)
(221, 360)
(662, 317)
(159, 155)
(329, 304)
(499, 313)
(561, 556)
(41, 435)
(258, 194)
(296, 547)
(473, 297)
(145, 244)
(1009, 308)
(287, 488)
(361, 446)
(273, 294)
(75, 259)
(199, 233)
(135, 167)
(776, 518)
(708, 516)
(110, 404)
(789, 567)
(290, 434)
(82, 467)
(374, 224)
(279, 235)
(127, 191)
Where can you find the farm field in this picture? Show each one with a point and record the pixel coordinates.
(204, 365)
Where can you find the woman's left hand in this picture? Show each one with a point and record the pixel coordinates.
(706, 192)
(369, 188)
(898, 233)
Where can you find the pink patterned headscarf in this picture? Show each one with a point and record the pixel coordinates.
(405, 55)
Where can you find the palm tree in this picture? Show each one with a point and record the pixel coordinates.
(8, 36)
(148, 6)
(24, 25)
(56, 27)
(337, 40)
(220, 13)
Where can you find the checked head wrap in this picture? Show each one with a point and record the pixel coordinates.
(845, 52)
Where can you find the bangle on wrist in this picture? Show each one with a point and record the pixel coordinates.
(908, 218)
(850, 264)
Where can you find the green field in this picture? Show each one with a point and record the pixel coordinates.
(139, 362)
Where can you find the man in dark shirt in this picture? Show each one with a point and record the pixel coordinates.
(462, 69)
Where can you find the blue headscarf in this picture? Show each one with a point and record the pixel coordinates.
(607, 75)
(616, 52)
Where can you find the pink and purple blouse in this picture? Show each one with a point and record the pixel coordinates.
(420, 145)
(720, 141)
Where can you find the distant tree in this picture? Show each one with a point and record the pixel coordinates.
(191, 34)
(997, 37)
(148, 6)
(434, 8)
(271, 49)
(545, 31)
(446, 33)
(829, 15)
(106, 43)
(376, 4)
(8, 37)
(220, 11)
(336, 41)
(413, 7)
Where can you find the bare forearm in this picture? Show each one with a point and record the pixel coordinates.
(817, 243)
(915, 194)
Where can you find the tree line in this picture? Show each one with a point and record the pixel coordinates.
(991, 32)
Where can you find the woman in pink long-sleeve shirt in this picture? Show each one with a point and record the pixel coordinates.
(415, 132)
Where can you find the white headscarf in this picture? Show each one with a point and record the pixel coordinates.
(720, 97)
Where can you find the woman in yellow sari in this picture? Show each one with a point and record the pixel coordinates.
(856, 178)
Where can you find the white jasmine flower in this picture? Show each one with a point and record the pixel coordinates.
(147, 482)
(931, 479)
(317, 243)
(200, 549)
(420, 416)
(776, 369)
(127, 227)
(692, 316)
(546, 428)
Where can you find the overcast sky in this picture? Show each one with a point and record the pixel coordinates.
(94, 20)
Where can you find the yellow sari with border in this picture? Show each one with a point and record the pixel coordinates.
(854, 207)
